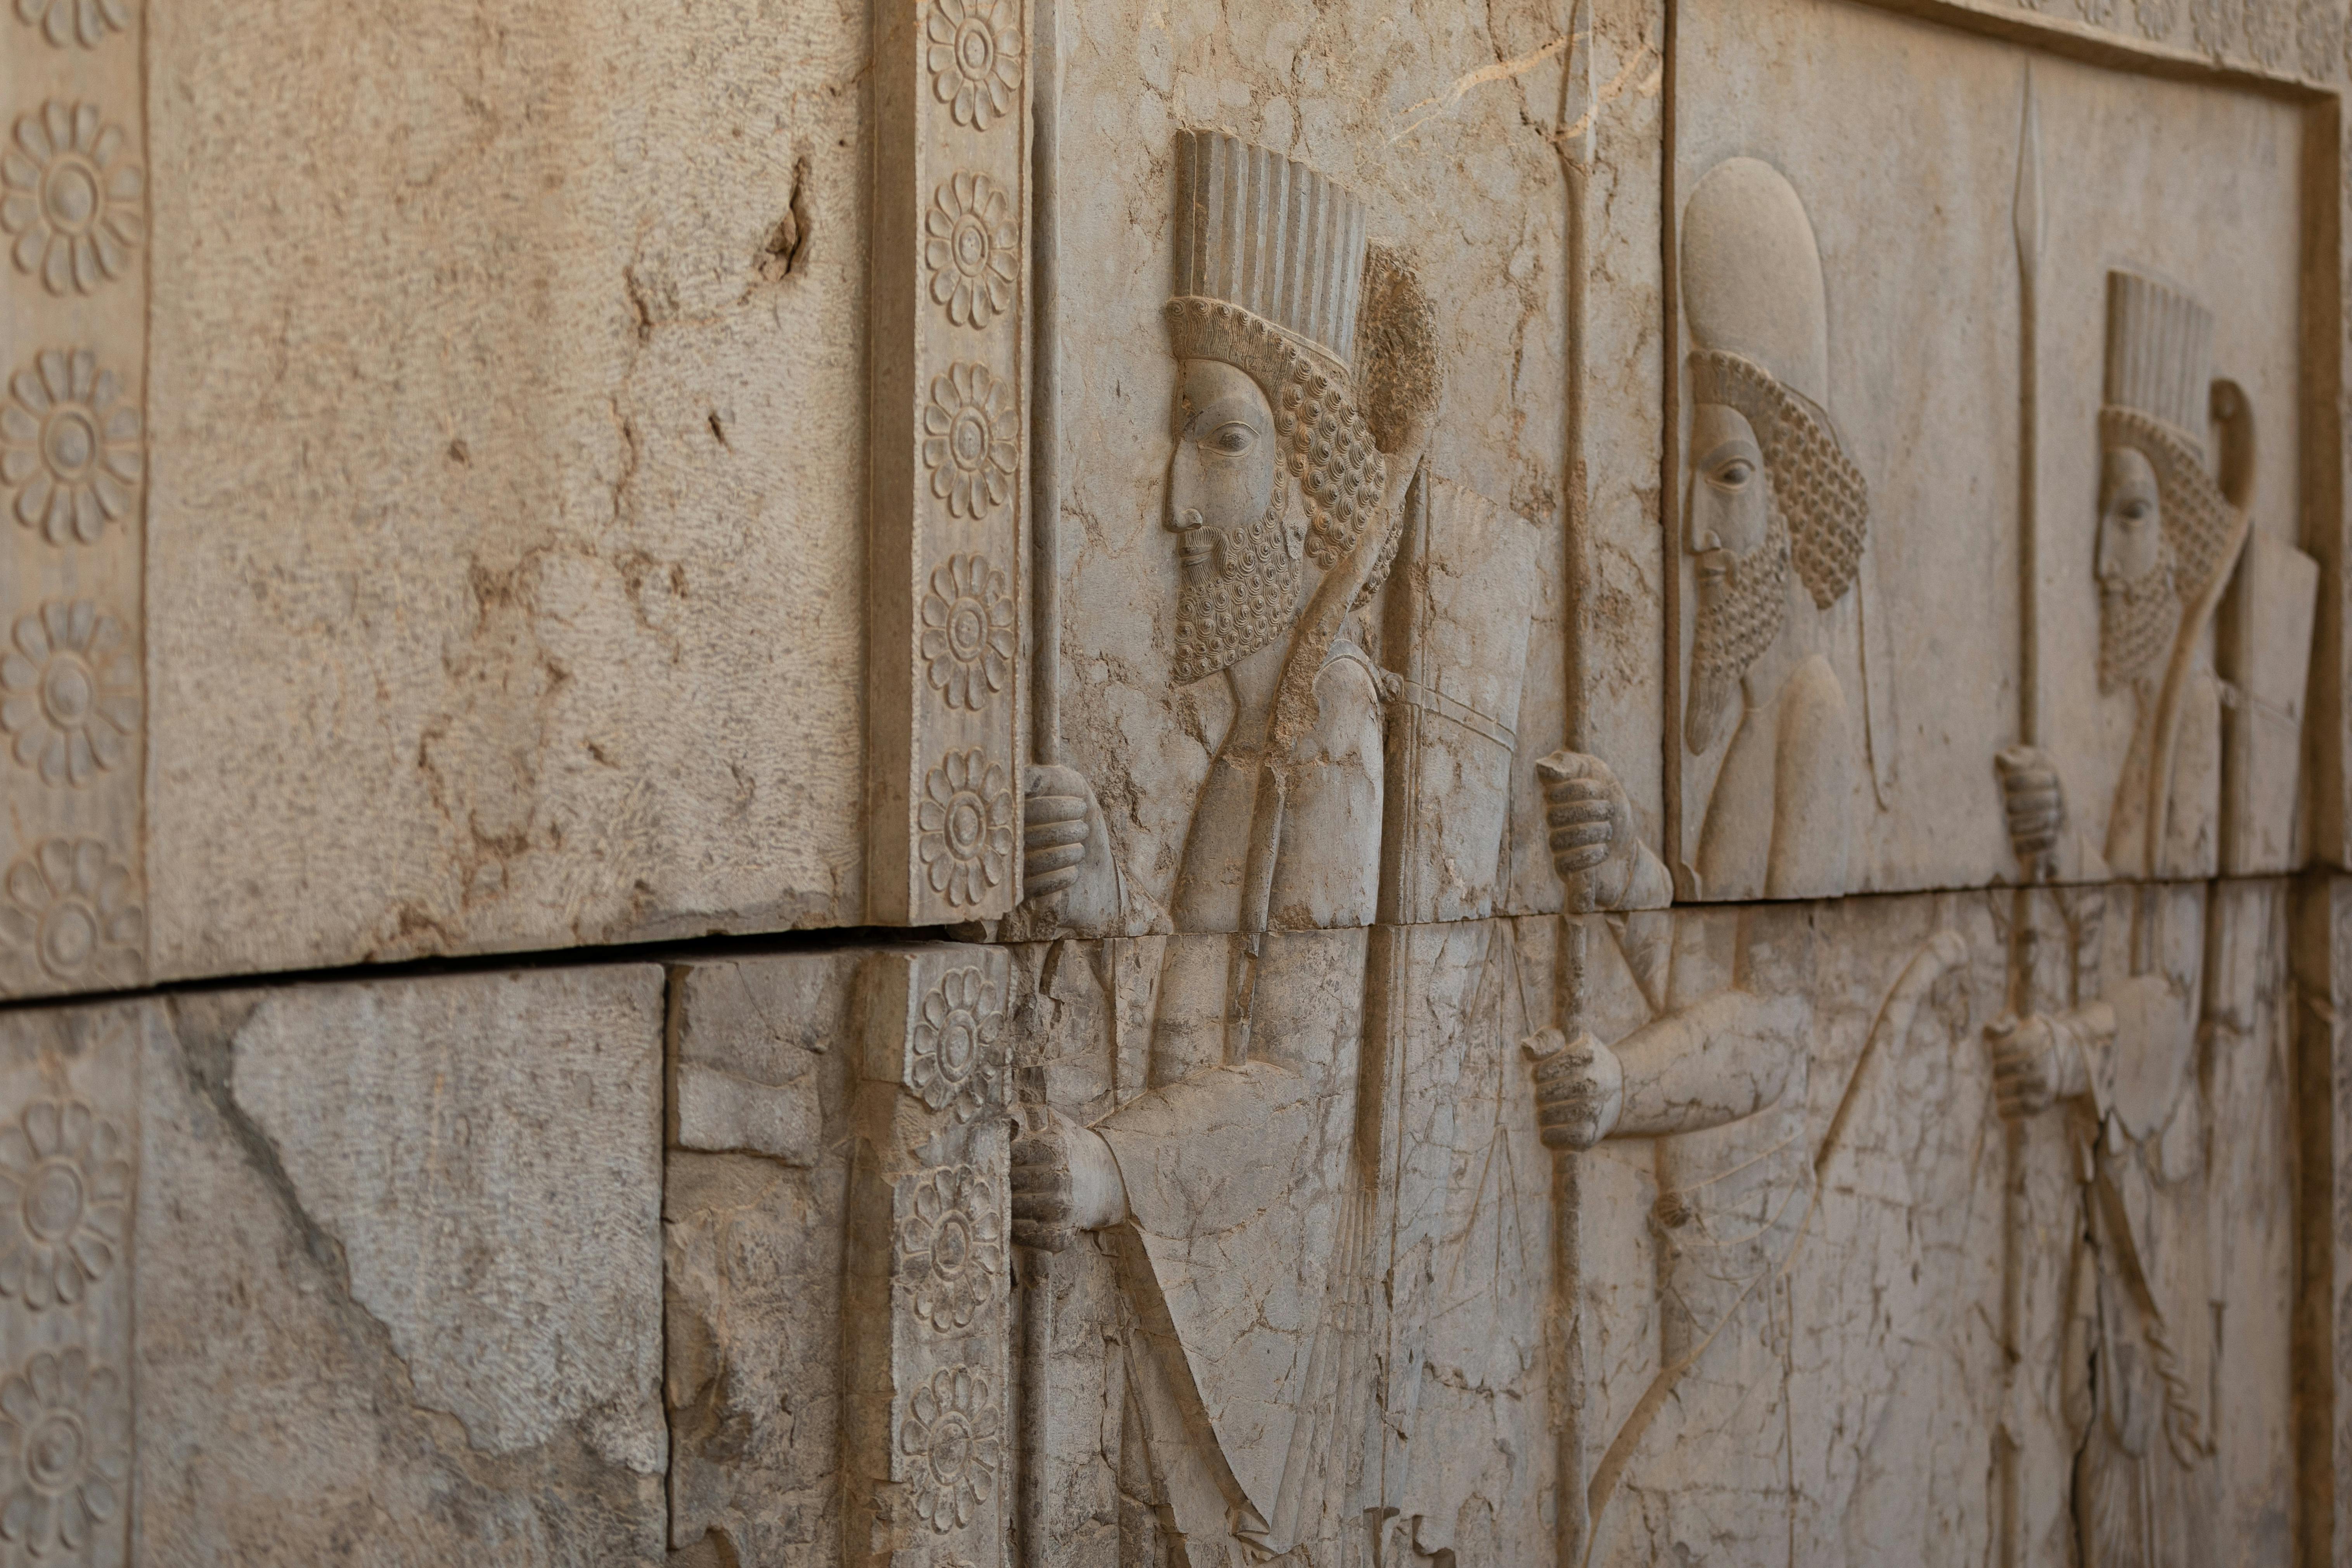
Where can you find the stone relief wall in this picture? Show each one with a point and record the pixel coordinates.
(1608, 742)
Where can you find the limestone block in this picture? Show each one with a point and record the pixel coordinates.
(506, 437)
(752, 1054)
(397, 1268)
(753, 1233)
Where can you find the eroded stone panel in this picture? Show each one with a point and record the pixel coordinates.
(513, 492)
(399, 1282)
(754, 1228)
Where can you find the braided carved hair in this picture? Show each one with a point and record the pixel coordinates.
(2203, 530)
(1815, 483)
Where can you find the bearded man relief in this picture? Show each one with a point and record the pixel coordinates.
(1243, 1189)
(1774, 528)
(2170, 535)
(2120, 1061)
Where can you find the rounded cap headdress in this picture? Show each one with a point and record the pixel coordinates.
(1758, 318)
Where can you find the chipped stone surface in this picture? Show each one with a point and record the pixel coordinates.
(510, 389)
(1673, 905)
(751, 1271)
(753, 1047)
(398, 1272)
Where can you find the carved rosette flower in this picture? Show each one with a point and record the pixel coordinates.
(69, 691)
(949, 1435)
(951, 1248)
(70, 198)
(72, 452)
(65, 21)
(69, 911)
(965, 823)
(974, 58)
(959, 1056)
(971, 440)
(66, 1425)
(64, 1189)
(973, 247)
(967, 642)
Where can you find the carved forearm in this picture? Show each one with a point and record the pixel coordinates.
(1722, 1059)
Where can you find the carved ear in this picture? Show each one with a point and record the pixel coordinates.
(1294, 525)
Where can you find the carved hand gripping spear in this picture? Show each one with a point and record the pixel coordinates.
(2023, 935)
(1567, 1045)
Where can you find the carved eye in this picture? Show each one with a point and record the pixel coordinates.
(1231, 438)
(2137, 510)
(1735, 473)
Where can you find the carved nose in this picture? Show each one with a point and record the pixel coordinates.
(1184, 519)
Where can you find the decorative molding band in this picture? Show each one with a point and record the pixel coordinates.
(948, 502)
(73, 497)
(927, 1433)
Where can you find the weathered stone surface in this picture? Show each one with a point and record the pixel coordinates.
(398, 1273)
(754, 1054)
(1664, 895)
(509, 390)
(752, 1265)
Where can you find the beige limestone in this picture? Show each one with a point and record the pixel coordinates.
(752, 1237)
(508, 386)
(397, 1262)
(581, 491)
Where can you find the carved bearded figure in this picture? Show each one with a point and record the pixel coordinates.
(1236, 1189)
(1717, 1079)
(2122, 1061)
(1775, 527)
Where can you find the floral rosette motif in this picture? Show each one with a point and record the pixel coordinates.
(66, 21)
(71, 450)
(68, 1427)
(69, 691)
(64, 1170)
(959, 1056)
(71, 198)
(968, 639)
(973, 247)
(951, 1246)
(974, 55)
(68, 912)
(965, 827)
(971, 440)
(950, 1437)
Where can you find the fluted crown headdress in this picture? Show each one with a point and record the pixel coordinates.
(2158, 385)
(2159, 354)
(1270, 234)
(1269, 276)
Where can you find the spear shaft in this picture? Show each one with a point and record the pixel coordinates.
(2023, 938)
(1045, 687)
(1572, 1524)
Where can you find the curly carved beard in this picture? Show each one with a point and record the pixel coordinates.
(1737, 620)
(1251, 600)
(2136, 621)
